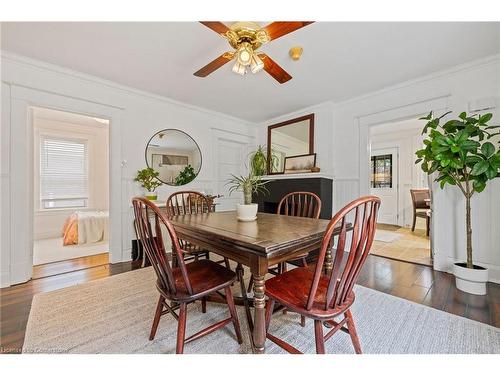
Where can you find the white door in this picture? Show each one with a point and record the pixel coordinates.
(384, 183)
(231, 157)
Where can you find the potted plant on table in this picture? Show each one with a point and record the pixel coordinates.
(148, 178)
(248, 184)
(461, 152)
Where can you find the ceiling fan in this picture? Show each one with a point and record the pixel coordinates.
(246, 38)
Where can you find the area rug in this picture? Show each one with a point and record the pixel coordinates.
(386, 236)
(114, 315)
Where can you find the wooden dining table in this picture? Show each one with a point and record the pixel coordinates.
(259, 244)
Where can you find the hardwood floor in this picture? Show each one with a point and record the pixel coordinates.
(70, 265)
(411, 281)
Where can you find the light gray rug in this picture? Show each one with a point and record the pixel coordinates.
(114, 315)
(386, 236)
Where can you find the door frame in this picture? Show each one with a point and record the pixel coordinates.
(21, 185)
(438, 105)
(397, 181)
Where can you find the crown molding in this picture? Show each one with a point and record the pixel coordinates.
(38, 64)
(488, 60)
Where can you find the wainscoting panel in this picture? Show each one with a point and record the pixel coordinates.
(345, 190)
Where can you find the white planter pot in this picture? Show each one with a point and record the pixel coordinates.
(246, 212)
(470, 280)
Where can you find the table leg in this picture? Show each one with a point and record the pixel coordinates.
(259, 303)
(239, 273)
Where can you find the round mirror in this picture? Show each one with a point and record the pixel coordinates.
(175, 156)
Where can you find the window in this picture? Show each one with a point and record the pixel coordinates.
(63, 173)
(381, 167)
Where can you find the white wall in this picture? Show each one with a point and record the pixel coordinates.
(342, 137)
(49, 223)
(138, 115)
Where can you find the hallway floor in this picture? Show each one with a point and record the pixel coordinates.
(410, 246)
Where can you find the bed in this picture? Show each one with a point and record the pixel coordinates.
(83, 227)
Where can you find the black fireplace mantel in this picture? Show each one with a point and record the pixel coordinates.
(281, 185)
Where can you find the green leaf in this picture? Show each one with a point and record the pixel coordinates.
(454, 148)
(462, 115)
(470, 145)
(488, 149)
(491, 173)
(485, 118)
(418, 160)
(445, 162)
(480, 168)
(478, 185)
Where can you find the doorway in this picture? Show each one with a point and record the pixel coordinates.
(70, 191)
(393, 175)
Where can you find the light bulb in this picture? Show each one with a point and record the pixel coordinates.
(245, 53)
(239, 68)
(256, 65)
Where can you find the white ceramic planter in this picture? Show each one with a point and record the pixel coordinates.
(470, 280)
(246, 212)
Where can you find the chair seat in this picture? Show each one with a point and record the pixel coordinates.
(421, 214)
(205, 276)
(291, 289)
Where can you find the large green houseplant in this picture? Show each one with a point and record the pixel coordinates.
(463, 154)
(248, 185)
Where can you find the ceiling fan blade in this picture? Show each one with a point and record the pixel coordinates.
(280, 28)
(274, 69)
(216, 26)
(215, 64)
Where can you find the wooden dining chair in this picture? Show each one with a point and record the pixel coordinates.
(186, 283)
(420, 207)
(300, 204)
(190, 203)
(326, 297)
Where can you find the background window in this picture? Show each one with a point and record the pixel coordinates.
(381, 167)
(63, 173)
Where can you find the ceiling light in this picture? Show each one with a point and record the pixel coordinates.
(256, 64)
(245, 53)
(295, 53)
(239, 68)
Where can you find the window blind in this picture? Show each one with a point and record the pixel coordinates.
(63, 172)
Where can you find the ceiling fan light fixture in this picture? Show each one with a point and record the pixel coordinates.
(239, 68)
(256, 64)
(245, 53)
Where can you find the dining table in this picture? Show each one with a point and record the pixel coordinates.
(260, 244)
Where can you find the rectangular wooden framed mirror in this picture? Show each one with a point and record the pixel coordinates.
(289, 138)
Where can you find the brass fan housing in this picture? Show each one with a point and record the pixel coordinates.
(249, 32)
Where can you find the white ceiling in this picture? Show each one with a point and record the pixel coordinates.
(340, 60)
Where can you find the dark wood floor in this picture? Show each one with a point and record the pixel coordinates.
(414, 282)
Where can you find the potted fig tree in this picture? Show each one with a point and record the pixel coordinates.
(463, 154)
(248, 184)
(148, 178)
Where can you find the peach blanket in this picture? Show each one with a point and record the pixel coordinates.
(85, 227)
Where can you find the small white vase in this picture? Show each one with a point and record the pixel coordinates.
(470, 280)
(246, 212)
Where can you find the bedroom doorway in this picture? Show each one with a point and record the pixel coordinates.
(70, 192)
